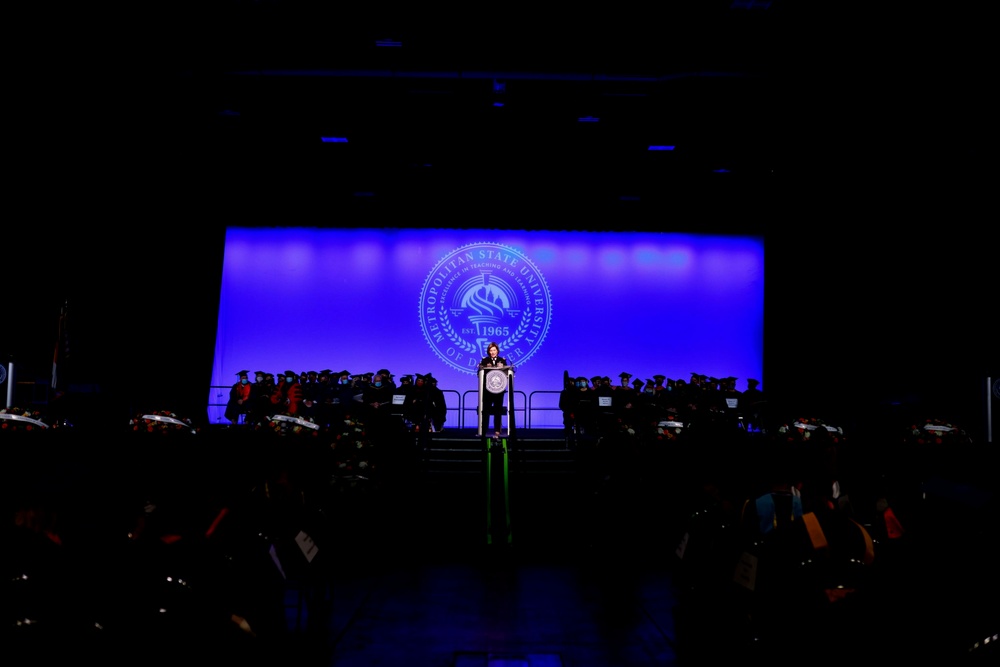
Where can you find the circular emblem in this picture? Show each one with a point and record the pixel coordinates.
(495, 381)
(481, 293)
(996, 387)
(3, 374)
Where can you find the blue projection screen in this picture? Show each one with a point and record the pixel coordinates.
(430, 300)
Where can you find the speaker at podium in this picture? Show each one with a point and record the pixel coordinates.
(494, 383)
(496, 378)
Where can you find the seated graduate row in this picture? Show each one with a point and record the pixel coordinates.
(325, 396)
(369, 397)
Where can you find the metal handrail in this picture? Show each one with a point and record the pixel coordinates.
(475, 406)
(523, 408)
(532, 409)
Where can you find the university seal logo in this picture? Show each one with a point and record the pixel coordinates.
(495, 381)
(484, 292)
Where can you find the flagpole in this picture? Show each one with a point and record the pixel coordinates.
(60, 355)
(10, 383)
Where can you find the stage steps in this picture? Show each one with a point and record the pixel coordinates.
(532, 452)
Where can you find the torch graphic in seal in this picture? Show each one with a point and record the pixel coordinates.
(488, 302)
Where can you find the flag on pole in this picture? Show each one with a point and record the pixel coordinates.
(60, 358)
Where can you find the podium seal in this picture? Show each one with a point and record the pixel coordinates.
(495, 381)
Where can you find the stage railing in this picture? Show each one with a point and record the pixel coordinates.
(525, 406)
(470, 403)
(553, 407)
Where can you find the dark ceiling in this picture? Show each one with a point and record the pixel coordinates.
(526, 104)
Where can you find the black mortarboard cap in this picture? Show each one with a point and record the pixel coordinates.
(624, 375)
(659, 378)
(753, 383)
(242, 373)
(637, 383)
(406, 378)
(383, 372)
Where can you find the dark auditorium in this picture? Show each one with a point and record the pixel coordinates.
(600, 337)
